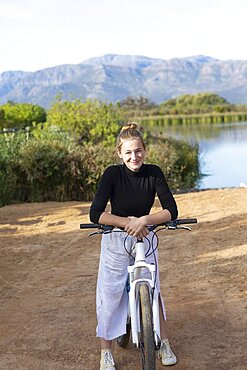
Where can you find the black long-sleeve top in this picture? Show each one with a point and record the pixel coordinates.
(132, 193)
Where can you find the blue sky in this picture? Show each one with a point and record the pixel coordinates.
(36, 34)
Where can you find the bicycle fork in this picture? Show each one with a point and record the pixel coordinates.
(136, 280)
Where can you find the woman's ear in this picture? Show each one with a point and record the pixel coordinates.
(119, 154)
(145, 153)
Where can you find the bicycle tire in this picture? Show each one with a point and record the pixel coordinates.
(146, 328)
(123, 340)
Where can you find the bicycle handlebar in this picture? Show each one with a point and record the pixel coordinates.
(172, 224)
(91, 226)
(183, 221)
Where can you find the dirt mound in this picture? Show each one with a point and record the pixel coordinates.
(48, 271)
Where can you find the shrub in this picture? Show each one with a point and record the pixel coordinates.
(92, 122)
(178, 160)
(52, 166)
(12, 178)
(21, 115)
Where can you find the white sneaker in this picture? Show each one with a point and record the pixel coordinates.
(106, 361)
(166, 354)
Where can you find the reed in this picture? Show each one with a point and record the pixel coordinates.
(193, 119)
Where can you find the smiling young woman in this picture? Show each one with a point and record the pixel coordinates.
(131, 188)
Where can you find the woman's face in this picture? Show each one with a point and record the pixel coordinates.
(132, 153)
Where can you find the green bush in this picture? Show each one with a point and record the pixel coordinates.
(91, 121)
(179, 162)
(193, 104)
(12, 177)
(21, 115)
(52, 166)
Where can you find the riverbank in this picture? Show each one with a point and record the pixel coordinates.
(48, 271)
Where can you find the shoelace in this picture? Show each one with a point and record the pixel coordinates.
(164, 348)
(108, 360)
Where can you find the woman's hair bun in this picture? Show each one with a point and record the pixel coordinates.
(129, 126)
(129, 131)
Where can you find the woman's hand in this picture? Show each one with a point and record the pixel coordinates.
(137, 227)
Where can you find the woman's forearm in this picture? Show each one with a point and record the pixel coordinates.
(157, 218)
(113, 220)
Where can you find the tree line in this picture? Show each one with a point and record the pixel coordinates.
(93, 116)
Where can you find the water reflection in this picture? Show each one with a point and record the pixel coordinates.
(223, 151)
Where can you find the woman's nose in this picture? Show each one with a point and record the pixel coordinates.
(133, 155)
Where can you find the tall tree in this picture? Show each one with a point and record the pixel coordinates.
(21, 115)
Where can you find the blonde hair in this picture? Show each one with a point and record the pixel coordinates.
(128, 132)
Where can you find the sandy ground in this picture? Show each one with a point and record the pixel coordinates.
(48, 270)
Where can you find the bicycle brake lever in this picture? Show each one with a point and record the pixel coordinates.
(184, 227)
(95, 233)
(100, 232)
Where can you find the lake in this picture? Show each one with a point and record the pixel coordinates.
(223, 151)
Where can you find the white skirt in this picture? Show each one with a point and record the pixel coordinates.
(111, 294)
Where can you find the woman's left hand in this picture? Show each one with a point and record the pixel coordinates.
(137, 227)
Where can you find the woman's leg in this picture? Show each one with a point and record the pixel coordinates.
(112, 297)
(165, 353)
(105, 344)
(106, 359)
(163, 329)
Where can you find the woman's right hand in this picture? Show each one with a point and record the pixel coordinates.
(136, 227)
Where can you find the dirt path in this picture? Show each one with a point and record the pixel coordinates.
(48, 270)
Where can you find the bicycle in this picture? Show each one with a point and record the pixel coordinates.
(143, 322)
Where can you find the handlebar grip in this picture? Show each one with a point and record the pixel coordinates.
(105, 228)
(183, 221)
(90, 226)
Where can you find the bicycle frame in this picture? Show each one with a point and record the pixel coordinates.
(135, 280)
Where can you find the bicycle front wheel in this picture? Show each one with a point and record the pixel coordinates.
(146, 328)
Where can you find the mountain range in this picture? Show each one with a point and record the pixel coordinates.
(112, 78)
